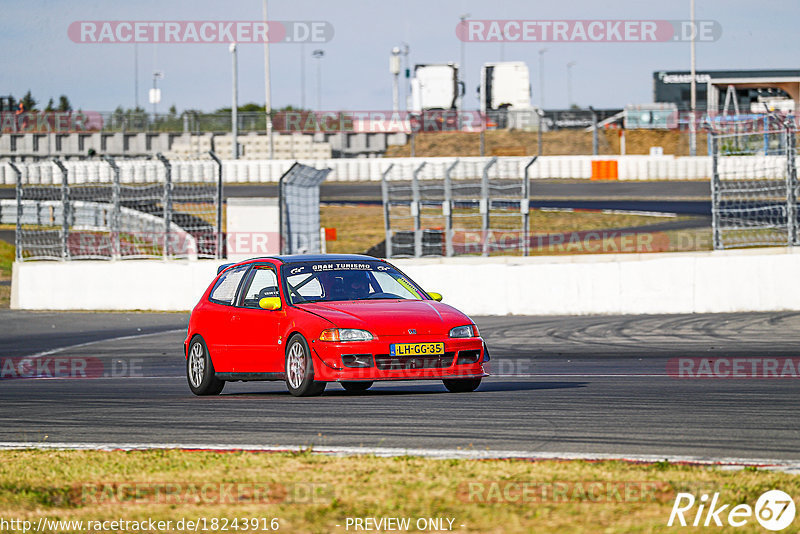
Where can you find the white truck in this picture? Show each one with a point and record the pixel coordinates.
(506, 89)
(436, 87)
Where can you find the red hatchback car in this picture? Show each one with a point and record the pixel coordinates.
(314, 319)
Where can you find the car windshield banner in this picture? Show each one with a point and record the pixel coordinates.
(326, 266)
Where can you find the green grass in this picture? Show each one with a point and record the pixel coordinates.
(6, 259)
(314, 493)
(360, 227)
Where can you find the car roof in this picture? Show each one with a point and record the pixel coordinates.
(296, 258)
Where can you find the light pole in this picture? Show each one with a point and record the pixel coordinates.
(302, 76)
(394, 69)
(406, 92)
(569, 83)
(318, 55)
(462, 66)
(136, 76)
(595, 143)
(541, 77)
(693, 94)
(155, 93)
(267, 87)
(462, 71)
(235, 103)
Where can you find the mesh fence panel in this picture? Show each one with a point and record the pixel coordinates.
(754, 185)
(40, 227)
(112, 220)
(456, 208)
(299, 189)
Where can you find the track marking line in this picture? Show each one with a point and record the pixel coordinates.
(56, 350)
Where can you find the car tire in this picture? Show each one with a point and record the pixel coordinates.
(200, 369)
(299, 368)
(461, 385)
(356, 387)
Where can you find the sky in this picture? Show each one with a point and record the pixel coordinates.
(38, 54)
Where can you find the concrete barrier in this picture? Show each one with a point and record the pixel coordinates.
(361, 170)
(687, 282)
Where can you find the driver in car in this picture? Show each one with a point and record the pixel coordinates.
(351, 286)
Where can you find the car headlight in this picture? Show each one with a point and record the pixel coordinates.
(345, 334)
(469, 330)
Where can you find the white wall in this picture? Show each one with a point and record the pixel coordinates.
(252, 227)
(371, 169)
(723, 281)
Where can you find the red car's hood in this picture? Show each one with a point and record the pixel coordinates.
(391, 317)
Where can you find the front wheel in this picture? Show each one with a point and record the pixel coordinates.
(462, 385)
(300, 369)
(200, 370)
(356, 387)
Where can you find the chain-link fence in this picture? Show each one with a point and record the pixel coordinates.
(754, 182)
(152, 217)
(457, 207)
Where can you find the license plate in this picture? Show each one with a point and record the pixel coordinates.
(416, 349)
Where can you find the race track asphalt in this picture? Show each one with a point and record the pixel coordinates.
(595, 384)
(541, 189)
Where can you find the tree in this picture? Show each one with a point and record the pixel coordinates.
(49, 105)
(249, 107)
(173, 110)
(63, 103)
(28, 102)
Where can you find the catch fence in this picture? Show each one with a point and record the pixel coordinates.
(754, 182)
(461, 207)
(63, 220)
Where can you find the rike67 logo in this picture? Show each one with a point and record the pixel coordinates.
(774, 510)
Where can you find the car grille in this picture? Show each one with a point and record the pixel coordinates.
(389, 362)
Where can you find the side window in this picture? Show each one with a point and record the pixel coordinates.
(225, 289)
(263, 283)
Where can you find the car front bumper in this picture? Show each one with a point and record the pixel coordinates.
(463, 358)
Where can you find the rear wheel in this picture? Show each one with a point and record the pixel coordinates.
(200, 370)
(462, 385)
(356, 387)
(300, 369)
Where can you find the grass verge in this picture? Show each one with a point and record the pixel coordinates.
(6, 260)
(314, 493)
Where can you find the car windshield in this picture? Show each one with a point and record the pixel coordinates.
(328, 281)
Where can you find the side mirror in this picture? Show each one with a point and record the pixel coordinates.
(270, 303)
(435, 296)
